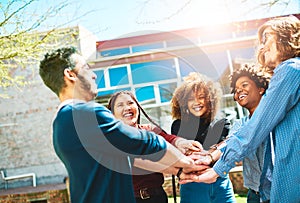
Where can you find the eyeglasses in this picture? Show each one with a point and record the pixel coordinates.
(266, 36)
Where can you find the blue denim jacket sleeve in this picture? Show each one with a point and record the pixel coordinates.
(281, 96)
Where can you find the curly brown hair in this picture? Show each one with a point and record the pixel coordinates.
(193, 83)
(287, 30)
(260, 78)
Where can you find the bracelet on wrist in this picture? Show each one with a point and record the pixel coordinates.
(212, 158)
(179, 173)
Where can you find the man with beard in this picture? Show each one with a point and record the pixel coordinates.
(96, 149)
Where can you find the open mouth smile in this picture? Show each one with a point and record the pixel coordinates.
(242, 96)
(198, 108)
(127, 115)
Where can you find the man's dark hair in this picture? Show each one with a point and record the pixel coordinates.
(53, 65)
(259, 78)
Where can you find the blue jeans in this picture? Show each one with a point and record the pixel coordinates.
(217, 192)
(253, 197)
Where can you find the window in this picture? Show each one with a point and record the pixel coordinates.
(197, 63)
(220, 63)
(147, 47)
(145, 93)
(245, 53)
(115, 52)
(166, 91)
(153, 71)
(118, 76)
(161, 115)
(100, 78)
(179, 42)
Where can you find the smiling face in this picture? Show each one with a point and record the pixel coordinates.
(126, 109)
(197, 103)
(247, 94)
(268, 48)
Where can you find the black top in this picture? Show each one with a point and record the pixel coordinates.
(196, 129)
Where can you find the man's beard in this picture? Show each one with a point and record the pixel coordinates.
(86, 86)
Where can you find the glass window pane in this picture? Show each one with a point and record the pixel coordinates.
(118, 76)
(220, 62)
(100, 78)
(161, 115)
(166, 91)
(146, 47)
(115, 52)
(145, 93)
(197, 63)
(153, 71)
(179, 42)
(245, 53)
(106, 92)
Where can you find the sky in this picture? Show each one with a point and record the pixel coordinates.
(112, 19)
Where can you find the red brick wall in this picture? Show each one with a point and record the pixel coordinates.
(52, 196)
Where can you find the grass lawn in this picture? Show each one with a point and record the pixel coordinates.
(240, 198)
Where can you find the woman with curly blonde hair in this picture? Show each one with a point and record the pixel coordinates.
(194, 107)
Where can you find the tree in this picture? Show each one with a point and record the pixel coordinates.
(20, 44)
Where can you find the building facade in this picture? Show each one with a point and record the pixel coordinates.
(26, 116)
(149, 65)
(153, 65)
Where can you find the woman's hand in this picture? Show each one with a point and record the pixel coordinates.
(187, 146)
(202, 158)
(208, 176)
